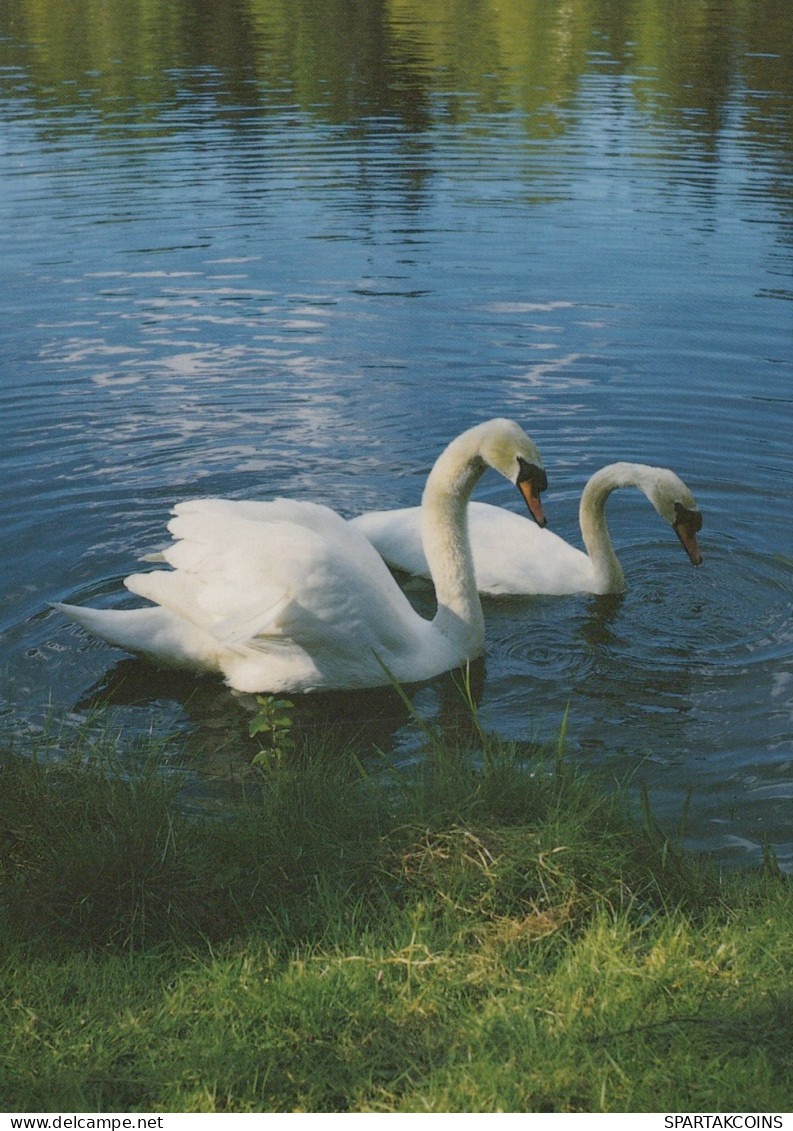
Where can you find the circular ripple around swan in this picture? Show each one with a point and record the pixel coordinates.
(707, 644)
(735, 611)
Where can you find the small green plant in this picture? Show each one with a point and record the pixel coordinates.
(272, 719)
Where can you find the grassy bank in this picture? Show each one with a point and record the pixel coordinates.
(473, 934)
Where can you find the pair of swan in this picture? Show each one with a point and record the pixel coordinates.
(288, 596)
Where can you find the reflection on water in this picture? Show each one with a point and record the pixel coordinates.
(363, 724)
(262, 248)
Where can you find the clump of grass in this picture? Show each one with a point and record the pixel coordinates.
(484, 931)
(100, 853)
(92, 852)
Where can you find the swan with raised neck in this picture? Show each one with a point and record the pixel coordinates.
(502, 445)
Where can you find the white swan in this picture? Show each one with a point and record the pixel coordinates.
(287, 596)
(512, 555)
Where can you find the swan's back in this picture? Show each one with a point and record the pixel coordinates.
(396, 536)
(273, 596)
(271, 580)
(512, 555)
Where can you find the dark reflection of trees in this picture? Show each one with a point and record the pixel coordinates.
(348, 59)
(344, 62)
(243, 64)
(686, 65)
(336, 59)
(768, 76)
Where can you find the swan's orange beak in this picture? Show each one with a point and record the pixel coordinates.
(687, 524)
(531, 481)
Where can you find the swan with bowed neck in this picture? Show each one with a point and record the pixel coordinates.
(288, 596)
(513, 556)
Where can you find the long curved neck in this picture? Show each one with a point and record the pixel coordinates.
(609, 577)
(444, 533)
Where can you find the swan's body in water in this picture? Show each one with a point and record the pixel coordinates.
(514, 556)
(288, 596)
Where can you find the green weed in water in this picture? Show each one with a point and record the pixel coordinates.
(273, 720)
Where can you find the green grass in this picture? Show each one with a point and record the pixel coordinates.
(487, 931)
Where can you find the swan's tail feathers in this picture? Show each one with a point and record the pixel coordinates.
(150, 632)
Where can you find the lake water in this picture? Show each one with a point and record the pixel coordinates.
(261, 248)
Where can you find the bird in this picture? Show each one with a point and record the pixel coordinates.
(513, 556)
(286, 596)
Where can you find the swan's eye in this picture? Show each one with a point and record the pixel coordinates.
(531, 473)
(685, 516)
